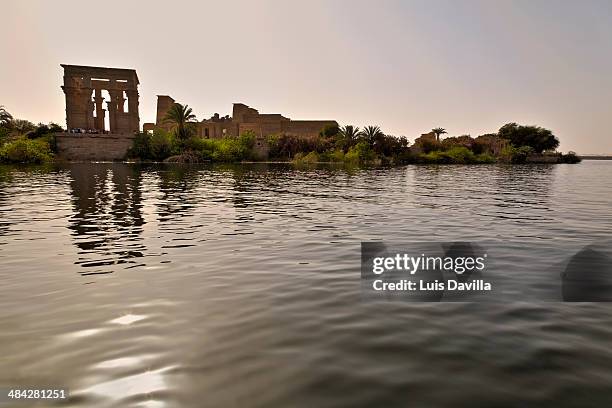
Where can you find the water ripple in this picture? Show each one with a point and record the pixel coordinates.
(167, 286)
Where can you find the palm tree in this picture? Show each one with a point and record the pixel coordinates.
(349, 134)
(5, 117)
(438, 131)
(371, 134)
(181, 117)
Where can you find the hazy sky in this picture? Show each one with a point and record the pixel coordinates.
(408, 66)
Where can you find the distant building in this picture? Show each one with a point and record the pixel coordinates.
(243, 119)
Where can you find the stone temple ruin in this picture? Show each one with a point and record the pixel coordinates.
(244, 118)
(83, 112)
(102, 116)
(88, 136)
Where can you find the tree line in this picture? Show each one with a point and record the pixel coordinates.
(22, 141)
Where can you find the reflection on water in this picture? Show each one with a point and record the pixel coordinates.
(128, 319)
(168, 286)
(108, 220)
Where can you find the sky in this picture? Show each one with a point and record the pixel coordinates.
(468, 66)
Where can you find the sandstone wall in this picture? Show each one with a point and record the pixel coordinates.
(253, 127)
(96, 147)
(306, 128)
(240, 110)
(214, 130)
(164, 103)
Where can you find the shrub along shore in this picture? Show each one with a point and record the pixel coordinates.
(23, 142)
(351, 145)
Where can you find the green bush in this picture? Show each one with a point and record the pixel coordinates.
(485, 158)
(273, 141)
(360, 153)
(222, 150)
(455, 155)
(203, 148)
(516, 155)
(51, 140)
(310, 158)
(333, 156)
(352, 156)
(336, 156)
(140, 146)
(459, 155)
(23, 150)
(225, 150)
(434, 157)
(157, 146)
(228, 150)
(246, 142)
(162, 145)
(4, 134)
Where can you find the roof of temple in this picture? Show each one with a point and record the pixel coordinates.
(118, 73)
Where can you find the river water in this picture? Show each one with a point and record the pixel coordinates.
(239, 286)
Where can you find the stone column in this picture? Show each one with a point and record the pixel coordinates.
(79, 107)
(90, 109)
(132, 95)
(71, 106)
(112, 109)
(100, 112)
(120, 102)
(87, 102)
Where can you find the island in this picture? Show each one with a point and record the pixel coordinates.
(103, 124)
